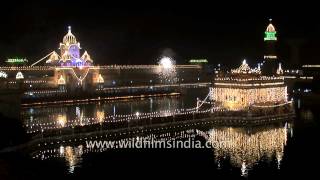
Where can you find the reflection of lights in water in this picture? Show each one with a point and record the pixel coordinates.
(62, 120)
(79, 115)
(279, 156)
(61, 150)
(100, 115)
(78, 111)
(137, 114)
(72, 156)
(244, 171)
(307, 115)
(245, 149)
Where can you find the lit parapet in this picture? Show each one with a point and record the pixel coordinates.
(245, 69)
(270, 57)
(311, 66)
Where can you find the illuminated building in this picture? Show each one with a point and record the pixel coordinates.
(70, 72)
(245, 88)
(70, 53)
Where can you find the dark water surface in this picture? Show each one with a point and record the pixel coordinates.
(55, 147)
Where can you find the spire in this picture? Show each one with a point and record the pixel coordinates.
(69, 29)
(270, 33)
(279, 70)
(69, 38)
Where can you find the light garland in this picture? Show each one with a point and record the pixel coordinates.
(272, 106)
(249, 85)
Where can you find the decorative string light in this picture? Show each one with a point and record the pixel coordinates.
(245, 87)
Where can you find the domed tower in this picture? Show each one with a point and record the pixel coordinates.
(70, 49)
(270, 55)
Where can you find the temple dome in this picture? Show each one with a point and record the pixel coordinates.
(69, 38)
(270, 27)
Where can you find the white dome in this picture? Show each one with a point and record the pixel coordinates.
(69, 38)
(270, 27)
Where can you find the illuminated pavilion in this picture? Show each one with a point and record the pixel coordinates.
(245, 87)
(71, 73)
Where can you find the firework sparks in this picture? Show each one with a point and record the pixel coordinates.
(167, 70)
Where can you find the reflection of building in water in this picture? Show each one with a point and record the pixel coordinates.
(62, 120)
(306, 115)
(40, 118)
(247, 148)
(245, 87)
(72, 155)
(100, 115)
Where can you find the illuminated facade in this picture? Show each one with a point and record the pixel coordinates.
(69, 73)
(69, 53)
(244, 88)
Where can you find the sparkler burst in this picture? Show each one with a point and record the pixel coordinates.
(167, 70)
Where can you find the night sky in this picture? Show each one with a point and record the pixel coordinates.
(137, 34)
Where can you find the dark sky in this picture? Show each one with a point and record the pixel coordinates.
(136, 34)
